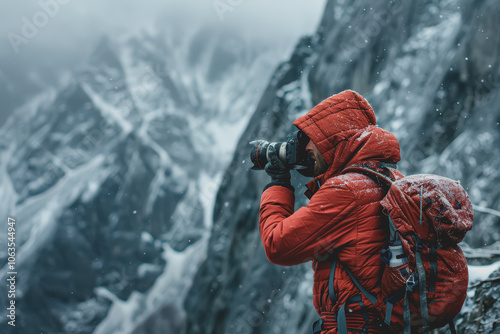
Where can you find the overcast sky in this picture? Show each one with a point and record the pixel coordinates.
(65, 38)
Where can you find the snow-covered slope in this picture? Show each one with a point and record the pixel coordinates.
(112, 179)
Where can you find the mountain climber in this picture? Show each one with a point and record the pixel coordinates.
(343, 219)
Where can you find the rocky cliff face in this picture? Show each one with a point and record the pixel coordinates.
(431, 71)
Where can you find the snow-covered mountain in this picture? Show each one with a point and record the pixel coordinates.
(112, 179)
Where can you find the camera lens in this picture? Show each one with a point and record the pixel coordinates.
(292, 153)
(258, 154)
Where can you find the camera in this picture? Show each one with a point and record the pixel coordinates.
(292, 153)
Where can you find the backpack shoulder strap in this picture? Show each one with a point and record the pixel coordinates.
(380, 178)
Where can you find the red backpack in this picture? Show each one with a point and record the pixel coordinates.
(424, 283)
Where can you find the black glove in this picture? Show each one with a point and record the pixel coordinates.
(280, 175)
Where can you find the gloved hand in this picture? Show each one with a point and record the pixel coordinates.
(280, 175)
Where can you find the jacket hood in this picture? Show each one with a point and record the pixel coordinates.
(343, 129)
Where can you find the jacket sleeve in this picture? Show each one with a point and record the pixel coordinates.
(315, 231)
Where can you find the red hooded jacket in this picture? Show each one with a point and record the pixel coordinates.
(344, 217)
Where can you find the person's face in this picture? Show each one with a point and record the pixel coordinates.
(320, 165)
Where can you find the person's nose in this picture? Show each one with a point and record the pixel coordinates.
(309, 146)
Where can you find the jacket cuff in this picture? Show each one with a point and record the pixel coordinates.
(277, 183)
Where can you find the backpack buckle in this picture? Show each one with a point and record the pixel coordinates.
(411, 282)
(386, 255)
